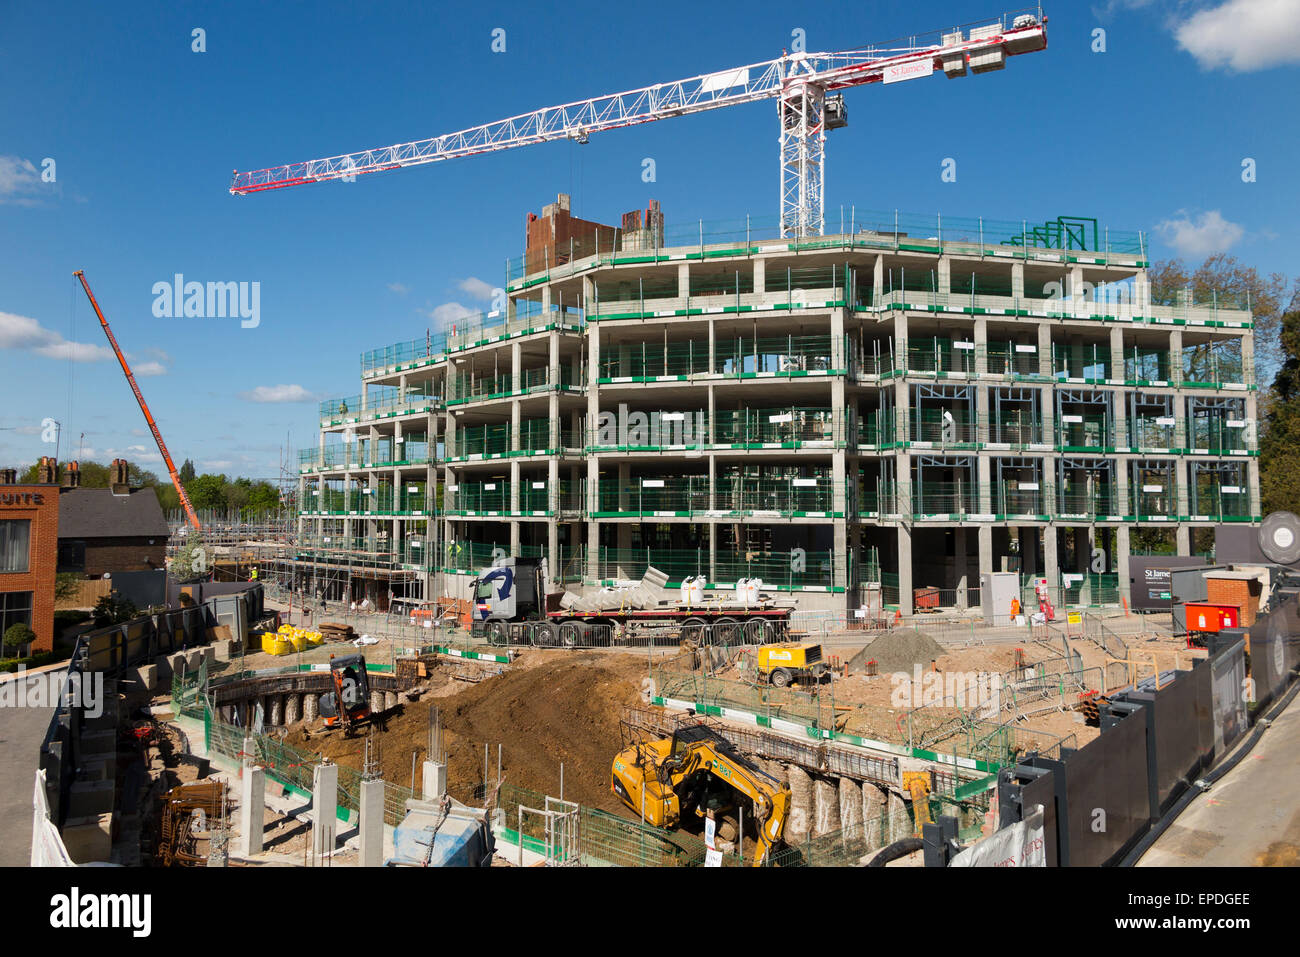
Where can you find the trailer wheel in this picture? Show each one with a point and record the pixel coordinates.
(496, 633)
(781, 678)
(728, 631)
(544, 635)
(571, 633)
(694, 630)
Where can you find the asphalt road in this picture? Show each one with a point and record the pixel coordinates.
(1250, 818)
(21, 732)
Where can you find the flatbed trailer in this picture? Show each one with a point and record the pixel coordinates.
(509, 610)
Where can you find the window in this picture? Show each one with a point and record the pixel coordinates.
(15, 608)
(72, 556)
(15, 544)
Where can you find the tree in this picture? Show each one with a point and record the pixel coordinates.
(187, 472)
(207, 491)
(66, 586)
(192, 561)
(16, 636)
(1279, 445)
(113, 609)
(1225, 280)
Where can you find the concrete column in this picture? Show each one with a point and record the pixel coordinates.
(433, 780)
(513, 502)
(1047, 413)
(943, 279)
(292, 708)
(960, 565)
(325, 800)
(981, 339)
(760, 276)
(252, 811)
(683, 280)
(1044, 348)
(1183, 537)
(1176, 356)
(878, 279)
(371, 853)
(905, 568)
(1018, 280)
(1052, 563)
(1121, 562)
(984, 476)
(310, 707)
(986, 552)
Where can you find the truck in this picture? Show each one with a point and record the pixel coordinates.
(510, 605)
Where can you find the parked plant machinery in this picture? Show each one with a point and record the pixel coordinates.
(697, 774)
(784, 664)
(348, 705)
(511, 606)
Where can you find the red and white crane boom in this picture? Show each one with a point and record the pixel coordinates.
(801, 82)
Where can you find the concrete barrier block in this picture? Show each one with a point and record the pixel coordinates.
(164, 666)
(89, 838)
(146, 676)
(207, 653)
(89, 798)
(193, 659)
(222, 650)
(178, 662)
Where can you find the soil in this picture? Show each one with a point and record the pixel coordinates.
(548, 708)
(898, 650)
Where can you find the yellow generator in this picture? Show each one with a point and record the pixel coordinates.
(787, 663)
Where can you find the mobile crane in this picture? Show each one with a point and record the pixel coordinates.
(144, 407)
(695, 774)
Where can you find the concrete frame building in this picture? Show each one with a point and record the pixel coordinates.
(903, 401)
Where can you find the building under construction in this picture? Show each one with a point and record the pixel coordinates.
(903, 403)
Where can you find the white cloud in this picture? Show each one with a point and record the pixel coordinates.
(1243, 35)
(476, 288)
(24, 332)
(216, 463)
(149, 368)
(20, 181)
(400, 288)
(450, 312)
(1210, 233)
(277, 393)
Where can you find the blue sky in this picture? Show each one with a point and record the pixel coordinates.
(144, 133)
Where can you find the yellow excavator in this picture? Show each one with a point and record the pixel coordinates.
(697, 772)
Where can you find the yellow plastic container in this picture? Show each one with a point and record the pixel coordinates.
(274, 644)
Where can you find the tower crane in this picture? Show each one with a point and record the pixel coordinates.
(144, 406)
(806, 86)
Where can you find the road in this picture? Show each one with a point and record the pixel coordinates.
(21, 732)
(1251, 817)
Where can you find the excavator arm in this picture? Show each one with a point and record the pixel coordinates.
(770, 799)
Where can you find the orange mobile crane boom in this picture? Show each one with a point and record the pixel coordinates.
(144, 406)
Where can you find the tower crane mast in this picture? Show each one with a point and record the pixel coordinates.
(805, 84)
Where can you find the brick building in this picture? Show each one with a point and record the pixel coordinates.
(29, 531)
(110, 530)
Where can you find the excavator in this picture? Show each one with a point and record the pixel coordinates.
(696, 772)
(348, 705)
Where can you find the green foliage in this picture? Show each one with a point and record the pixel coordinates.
(207, 491)
(1279, 445)
(68, 618)
(113, 610)
(187, 472)
(192, 561)
(18, 634)
(66, 585)
(32, 661)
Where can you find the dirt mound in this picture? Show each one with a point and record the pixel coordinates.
(545, 710)
(898, 650)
